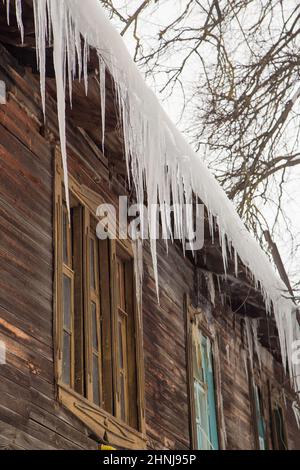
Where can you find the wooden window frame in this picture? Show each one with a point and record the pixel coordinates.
(69, 274)
(257, 394)
(258, 378)
(191, 314)
(277, 402)
(130, 330)
(94, 299)
(107, 425)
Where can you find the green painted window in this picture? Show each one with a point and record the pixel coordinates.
(260, 422)
(279, 437)
(204, 394)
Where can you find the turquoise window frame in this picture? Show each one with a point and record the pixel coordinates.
(260, 421)
(204, 396)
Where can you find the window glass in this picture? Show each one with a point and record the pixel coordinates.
(96, 385)
(280, 441)
(123, 365)
(89, 362)
(94, 327)
(67, 302)
(92, 264)
(260, 422)
(204, 392)
(122, 398)
(66, 377)
(65, 237)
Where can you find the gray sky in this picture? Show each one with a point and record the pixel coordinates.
(158, 16)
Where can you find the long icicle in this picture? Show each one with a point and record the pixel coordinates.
(159, 160)
(57, 10)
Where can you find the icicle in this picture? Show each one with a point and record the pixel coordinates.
(19, 18)
(159, 161)
(252, 339)
(8, 11)
(58, 12)
(211, 287)
(18, 6)
(211, 226)
(254, 327)
(236, 269)
(137, 248)
(219, 286)
(223, 243)
(102, 72)
(284, 398)
(228, 353)
(78, 48)
(244, 354)
(41, 32)
(249, 340)
(85, 63)
(70, 47)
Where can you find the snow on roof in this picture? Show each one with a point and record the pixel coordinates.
(159, 160)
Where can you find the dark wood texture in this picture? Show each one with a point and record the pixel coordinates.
(30, 414)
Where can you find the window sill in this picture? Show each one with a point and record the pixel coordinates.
(105, 426)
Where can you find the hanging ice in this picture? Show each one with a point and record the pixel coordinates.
(160, 163)
(210, 287)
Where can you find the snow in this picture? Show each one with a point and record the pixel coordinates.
(159, 160)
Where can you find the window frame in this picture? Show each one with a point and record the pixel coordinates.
(122, 340)
(107, 426)
(94, 299)
(195, 315)
(259, 413)
(277, 404)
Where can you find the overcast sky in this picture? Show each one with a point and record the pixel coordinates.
(150, 24)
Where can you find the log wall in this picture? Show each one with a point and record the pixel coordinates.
(30, 415)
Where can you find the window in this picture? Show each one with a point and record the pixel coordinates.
(81, 327)
(99, 367)
(204, 401)
(279, 432)
(68, 303)
(125, 334)
(95, 320)
(259, 418)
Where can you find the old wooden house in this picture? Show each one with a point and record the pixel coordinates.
(86, 361)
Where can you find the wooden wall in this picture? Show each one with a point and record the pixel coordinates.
(30, 416)
(165, 356)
